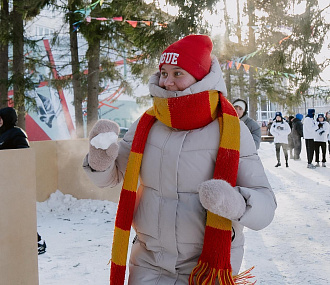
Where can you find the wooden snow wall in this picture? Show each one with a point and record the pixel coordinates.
(18, 223)
(59, 166)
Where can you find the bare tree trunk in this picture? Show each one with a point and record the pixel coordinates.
(93, 80)
(4, 54)
(228, 71)
(93, 55)
(77, 90)
(239, 36)
(252, 46)
(18, 62)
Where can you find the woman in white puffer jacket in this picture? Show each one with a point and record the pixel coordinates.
(280, 129)
(176, 174)
(320, 139)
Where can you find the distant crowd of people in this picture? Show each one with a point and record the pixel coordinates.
(288, 131)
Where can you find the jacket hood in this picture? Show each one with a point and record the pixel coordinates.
(280, 115)
(320, 116)
(9, 117)
(299, 116)
(212, 81)
(310, 113)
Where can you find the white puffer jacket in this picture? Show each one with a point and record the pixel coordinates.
(321, 133)
(309, 128)
(169, 219)
(280, 131)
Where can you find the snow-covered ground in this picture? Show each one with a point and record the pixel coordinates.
(293, 249)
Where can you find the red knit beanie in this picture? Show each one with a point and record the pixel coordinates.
(192, 53)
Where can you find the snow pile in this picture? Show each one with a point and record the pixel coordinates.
(59, 203)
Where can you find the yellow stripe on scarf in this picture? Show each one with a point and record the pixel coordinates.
(229, 141)
(119, 254)
(132, 171)
(218, 222)
(161, 110)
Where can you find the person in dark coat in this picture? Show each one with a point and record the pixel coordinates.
(290, 139)
(13, 137)
(297, 134)
(269, 125)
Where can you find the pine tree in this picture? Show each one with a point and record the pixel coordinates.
(22, 10)
(4, 41)
(289, 44)
(141, 44)
(76, 72)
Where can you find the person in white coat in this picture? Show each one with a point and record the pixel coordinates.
(320, 139)
(176, 168)
(309, 128)
(280, 129)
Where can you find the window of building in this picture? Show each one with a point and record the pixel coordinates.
(43, 31)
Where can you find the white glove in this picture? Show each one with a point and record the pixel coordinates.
(103, 146)
(220, 198)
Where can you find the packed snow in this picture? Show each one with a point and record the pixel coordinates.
(104, 140)
(293, 249)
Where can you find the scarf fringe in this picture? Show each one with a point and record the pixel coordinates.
(244, 277)
(207, 276)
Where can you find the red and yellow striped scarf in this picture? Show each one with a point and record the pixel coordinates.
(185, 113)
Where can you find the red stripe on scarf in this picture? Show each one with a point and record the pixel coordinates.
(197, 110)
(117, 274)
(225, 108)
(125, 213)
(145, 124)
(221, 170)
(216, 256)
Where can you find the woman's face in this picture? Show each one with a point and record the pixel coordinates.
(174, 78)
(1, 122)
(239, 111)
(321, 119)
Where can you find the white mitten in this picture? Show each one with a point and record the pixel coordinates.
(220, 198)
(103, 146)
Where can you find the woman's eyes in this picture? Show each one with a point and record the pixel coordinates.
(176, 73)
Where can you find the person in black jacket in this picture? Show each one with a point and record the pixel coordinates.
(13, 137)
(290, 138)
(297, 134)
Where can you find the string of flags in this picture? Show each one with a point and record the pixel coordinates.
(87, 18)
(133, 23)
(238, 63)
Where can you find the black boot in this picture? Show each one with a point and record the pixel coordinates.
(278, 164)
(286, 164)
